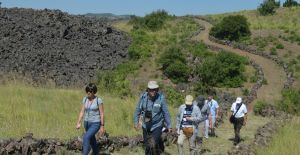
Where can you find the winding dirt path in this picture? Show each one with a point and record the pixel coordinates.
(273, 73)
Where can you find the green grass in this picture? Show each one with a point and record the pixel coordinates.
(286, 141)
(284, 18)
(53, 113)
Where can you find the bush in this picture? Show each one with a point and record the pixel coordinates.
(174, 65)
(231, 28)
(173, 97)
(290, 3)
(177, 72)
(114, 81)
(153, 21)
(279, 46)
(245, 92)
(223, 70)
(291, 101)
(259, 106)
(253, 79)
(268, 7)
(273, 51)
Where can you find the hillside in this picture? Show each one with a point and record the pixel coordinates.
(52, 46)
(277, 35)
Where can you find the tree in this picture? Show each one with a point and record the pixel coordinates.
(268, 7)
(231, 28)
(290, 3)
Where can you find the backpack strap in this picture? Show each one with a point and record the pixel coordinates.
(238, 109)
(97, 101)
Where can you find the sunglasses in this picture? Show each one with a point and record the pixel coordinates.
(152, 90)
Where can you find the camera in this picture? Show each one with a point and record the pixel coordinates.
(148, 116)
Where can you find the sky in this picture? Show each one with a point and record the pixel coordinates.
(138, 7)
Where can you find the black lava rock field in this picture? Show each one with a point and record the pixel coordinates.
(50, 45)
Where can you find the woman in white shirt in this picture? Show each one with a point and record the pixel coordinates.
(239, 110)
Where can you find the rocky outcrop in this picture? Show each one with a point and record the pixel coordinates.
(52, 45)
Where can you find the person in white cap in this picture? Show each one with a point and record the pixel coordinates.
(187, 120)
(239, 111)
(151, 113)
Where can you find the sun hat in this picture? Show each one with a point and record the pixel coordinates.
(189, 100)
(238, 100)
(152, 85)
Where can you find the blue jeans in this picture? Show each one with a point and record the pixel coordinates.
(91, 128)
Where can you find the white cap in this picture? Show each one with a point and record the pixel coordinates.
(189, 100)
(152, 85)
(238, 100)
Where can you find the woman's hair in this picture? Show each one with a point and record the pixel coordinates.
(91, 87)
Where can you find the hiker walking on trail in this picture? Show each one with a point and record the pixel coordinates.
(151, 114)
(93, 111)
(239, 111)
(205, 110)
(213, 114)
(187, 120)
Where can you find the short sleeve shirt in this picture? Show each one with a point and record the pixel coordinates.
(91, 109)
(213, 105)
(242, 111)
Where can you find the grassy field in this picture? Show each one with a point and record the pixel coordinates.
(286, 141)
(277, 21)
(52, 113)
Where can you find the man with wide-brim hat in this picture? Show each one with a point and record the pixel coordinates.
(151, 114)
(187, 120)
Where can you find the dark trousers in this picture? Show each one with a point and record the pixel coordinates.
(237, 127)
(152, 141)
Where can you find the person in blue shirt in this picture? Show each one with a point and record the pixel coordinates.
(93, 112)
(214, 113)
(151, 114)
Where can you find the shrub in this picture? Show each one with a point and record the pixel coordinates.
(298, 57)
(273, 51)
(253, 79)
(202, 88)
(279, 46)
(291, 101)
(268, 7)
(265, 82)
(178, 72)
(259, 106)
(224, 69)
(231, 28)
(174, 65)
(173, 97)
(245, 92)
(153, 21)
(290, 3)
(141, 44)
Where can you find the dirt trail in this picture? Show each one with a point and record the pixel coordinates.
(273, 73)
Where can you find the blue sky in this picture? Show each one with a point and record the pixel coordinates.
(138, 7)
